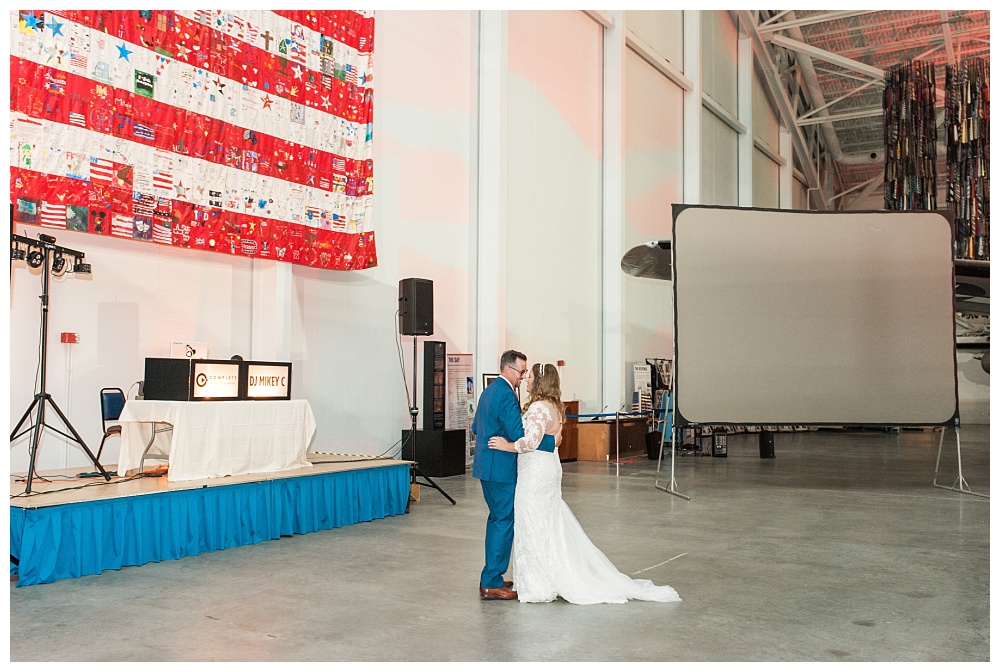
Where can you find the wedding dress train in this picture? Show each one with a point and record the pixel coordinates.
(552, 555)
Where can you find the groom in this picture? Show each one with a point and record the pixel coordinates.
(499, 415)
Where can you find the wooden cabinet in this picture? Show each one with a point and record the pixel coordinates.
(568, 449)
(596, 439)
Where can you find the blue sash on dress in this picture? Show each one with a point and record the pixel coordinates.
(548, 444)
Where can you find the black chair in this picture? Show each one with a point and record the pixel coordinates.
(112, 403)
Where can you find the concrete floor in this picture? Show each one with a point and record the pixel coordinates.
(837, 550)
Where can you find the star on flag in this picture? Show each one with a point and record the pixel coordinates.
(30, 21)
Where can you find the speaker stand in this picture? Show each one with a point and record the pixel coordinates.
(414, 467)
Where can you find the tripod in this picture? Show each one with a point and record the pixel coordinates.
(415, 468)
(42, 397)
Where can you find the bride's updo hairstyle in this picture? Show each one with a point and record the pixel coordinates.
(545, 386)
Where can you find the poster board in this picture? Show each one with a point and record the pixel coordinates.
(461, 395)
(786, 317)
(642, 388)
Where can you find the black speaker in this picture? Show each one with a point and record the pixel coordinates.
(434, 390)
(438, 452)
(766, 440)
(416, 307)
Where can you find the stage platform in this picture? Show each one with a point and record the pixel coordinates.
(70, 527)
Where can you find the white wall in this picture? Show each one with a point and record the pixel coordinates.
(554, 153)
(719, 141)
(766, 129)
(345, 336)
(652, 147)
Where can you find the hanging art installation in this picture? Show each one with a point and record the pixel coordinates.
(910, 137)
(243, 132)
(967, 129)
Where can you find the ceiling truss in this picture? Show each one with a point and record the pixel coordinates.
(824, 73)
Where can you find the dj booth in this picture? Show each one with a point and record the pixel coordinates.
(216, 380)
(213, 418)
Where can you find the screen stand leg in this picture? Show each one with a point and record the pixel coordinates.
(960, 484)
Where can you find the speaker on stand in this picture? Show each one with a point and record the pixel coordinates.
(416, 318)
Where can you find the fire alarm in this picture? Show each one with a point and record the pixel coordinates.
(561, 362)
(69, 337)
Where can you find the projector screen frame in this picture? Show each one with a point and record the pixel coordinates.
(945, 399)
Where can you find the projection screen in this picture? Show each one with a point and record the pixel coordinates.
(785, 317)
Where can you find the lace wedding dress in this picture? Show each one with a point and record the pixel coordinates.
(552, 555)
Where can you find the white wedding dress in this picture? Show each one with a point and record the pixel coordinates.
(552, 555)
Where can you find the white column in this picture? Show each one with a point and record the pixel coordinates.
(612, 365)
(785, 172)
(744, 105)
(692, 107)
(491, 257)
(271, 312)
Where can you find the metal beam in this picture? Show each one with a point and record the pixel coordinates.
(780, 98)
(828, 56)
(808, 21)
(946, 29)
(874, 184)
(724, 115)
(651, 56)
(844, 116)
(602, 17)
(811, 113)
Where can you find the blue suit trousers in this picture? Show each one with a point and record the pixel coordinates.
(499, 532)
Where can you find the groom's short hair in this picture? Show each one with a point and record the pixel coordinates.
(508, 358)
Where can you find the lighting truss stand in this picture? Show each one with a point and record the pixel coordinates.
(42, 397)
(415, 468)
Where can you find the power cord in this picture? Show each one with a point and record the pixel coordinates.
(89, 485)
(129, 391)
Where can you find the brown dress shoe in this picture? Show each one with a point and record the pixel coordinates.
(508, 584)
(502, 593)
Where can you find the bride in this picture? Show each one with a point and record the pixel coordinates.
(553, 557)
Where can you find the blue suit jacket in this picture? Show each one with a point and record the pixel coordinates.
(499, 415)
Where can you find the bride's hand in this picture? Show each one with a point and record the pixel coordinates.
(500, 443)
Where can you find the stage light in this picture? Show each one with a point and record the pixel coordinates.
(80, 267)
(58, 265)
(16, 252)
(47, 239)
(35, 258)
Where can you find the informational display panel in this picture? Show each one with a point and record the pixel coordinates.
(812, 318)
(461, 399)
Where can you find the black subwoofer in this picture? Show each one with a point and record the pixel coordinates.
(416, 307)
(438, 452)
(766, 440)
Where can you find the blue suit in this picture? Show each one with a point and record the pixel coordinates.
(498, 415)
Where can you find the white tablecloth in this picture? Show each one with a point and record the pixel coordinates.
(218, 438)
